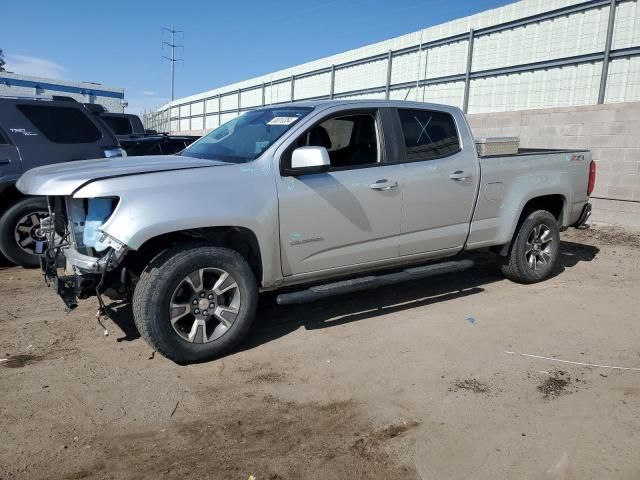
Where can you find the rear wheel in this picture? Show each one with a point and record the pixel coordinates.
(534, 251)
(195, 303)
(21, 239)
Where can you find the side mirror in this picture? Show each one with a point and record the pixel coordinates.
(309, 160)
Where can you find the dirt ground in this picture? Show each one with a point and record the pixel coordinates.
(448, 378)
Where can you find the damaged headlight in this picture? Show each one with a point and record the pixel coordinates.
(86, 218)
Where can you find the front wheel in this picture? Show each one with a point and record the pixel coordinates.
(535, 248)
(21, 239)
(195, 303)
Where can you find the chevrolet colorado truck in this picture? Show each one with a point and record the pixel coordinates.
(310, 198)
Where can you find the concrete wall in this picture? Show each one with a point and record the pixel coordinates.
(12, 84)
(611, 132)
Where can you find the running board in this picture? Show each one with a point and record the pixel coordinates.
(369, 282)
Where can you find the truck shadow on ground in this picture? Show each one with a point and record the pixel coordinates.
(274, 321)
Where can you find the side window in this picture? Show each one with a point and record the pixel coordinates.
(62, 124)
(351, 140)
(428, 134)
(339, 131)
(119, 125)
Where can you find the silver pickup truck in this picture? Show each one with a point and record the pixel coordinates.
(322, 198)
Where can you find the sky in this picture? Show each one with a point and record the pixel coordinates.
(119, 43)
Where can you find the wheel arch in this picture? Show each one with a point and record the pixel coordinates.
(240, 239)
(554, 203)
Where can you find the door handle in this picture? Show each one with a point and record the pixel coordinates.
(4, 160)
(384, 184)
(459, 175)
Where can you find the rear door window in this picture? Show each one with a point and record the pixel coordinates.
(428, 134)
(62, 124)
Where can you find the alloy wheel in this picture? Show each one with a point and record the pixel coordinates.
(29, 235)
(539, 247)
(204, 305)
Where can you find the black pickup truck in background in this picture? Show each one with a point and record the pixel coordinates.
(37, 131)
(135, 139)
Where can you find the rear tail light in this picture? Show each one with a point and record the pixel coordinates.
(592, 177)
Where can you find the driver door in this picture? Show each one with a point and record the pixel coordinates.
(349, 215)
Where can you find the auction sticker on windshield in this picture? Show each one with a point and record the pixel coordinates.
(282, 120)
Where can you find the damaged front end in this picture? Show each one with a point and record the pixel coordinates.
(87, 258)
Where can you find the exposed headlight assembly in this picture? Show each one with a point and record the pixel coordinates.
(86, 218)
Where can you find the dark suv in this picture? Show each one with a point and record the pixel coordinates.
(35, 132)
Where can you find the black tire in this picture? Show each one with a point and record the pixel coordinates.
(517, 265)
(160, 280)
(8, 223)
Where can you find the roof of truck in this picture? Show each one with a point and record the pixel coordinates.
(364, 102)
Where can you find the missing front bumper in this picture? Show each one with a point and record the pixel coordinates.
(71, 287)
(83, 278)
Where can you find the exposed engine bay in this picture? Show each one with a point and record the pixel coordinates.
(87, 257)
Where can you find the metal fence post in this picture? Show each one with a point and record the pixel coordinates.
(332, 87)
(426, 60)
(467, 78)
(219, 109)
(419, 64)
(387, 88)
(607, 52)
(263, 93)
(293, 86)
(239, 90)
(204, 113)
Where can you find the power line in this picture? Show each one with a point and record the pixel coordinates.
(173, 58)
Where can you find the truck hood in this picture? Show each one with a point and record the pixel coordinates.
(65, 178)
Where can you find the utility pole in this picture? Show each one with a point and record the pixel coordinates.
(173, 58)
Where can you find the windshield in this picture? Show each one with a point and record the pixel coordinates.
(245, 138)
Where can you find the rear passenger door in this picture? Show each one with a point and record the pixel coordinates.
(440, 180)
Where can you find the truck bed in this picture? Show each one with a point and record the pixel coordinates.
(538, 172)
